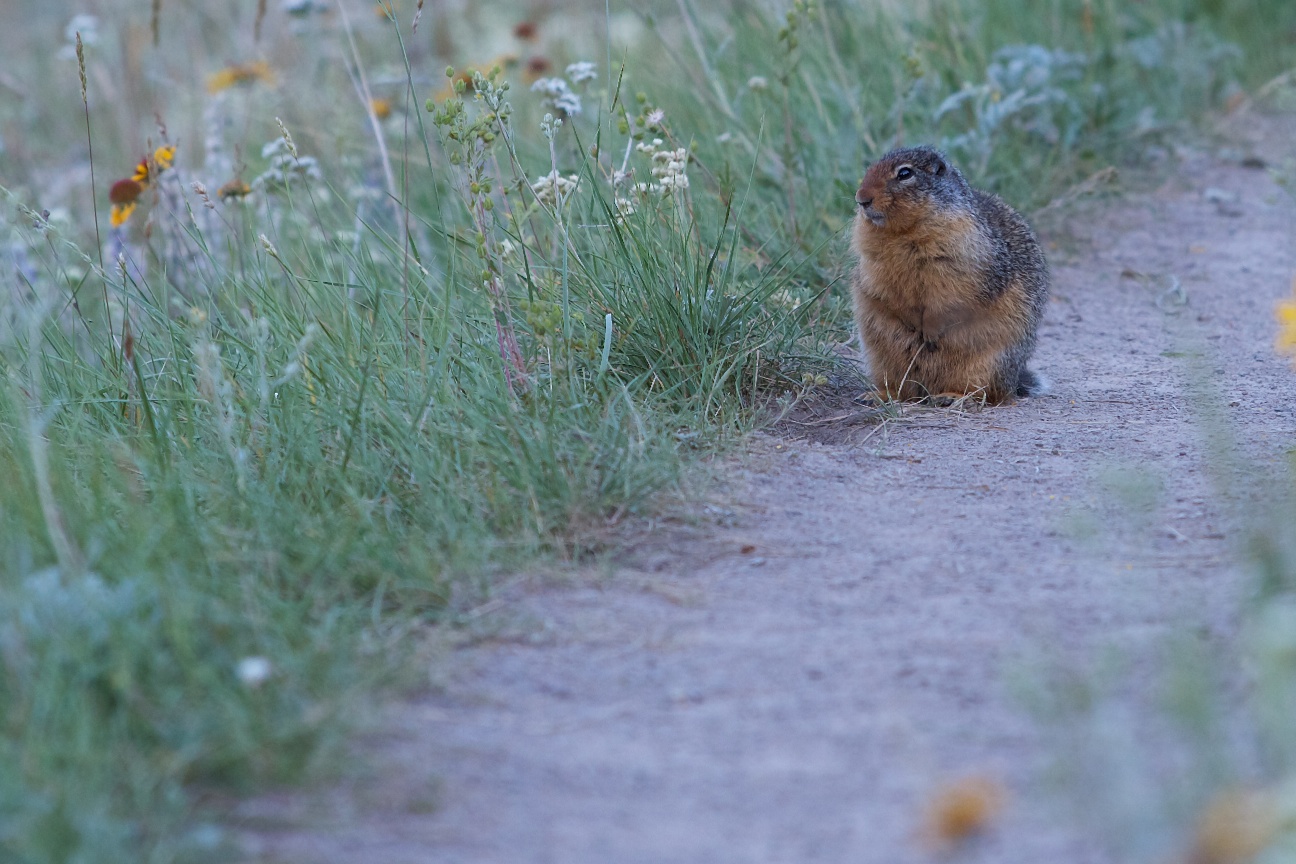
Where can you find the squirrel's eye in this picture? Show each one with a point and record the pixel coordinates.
(904, 173)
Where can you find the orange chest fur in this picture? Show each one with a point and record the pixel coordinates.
(931, 267)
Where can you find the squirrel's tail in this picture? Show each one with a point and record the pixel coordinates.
(1031, 384)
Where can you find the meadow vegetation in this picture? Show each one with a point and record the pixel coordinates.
(306, 335)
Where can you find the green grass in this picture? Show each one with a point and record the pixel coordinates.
(286, 428)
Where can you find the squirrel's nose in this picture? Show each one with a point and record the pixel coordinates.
(864, 203)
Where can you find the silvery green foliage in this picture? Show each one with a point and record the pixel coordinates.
(1198, 61)
(78, 615)
(1182, 46)
(1035, 92)
(1023, 91)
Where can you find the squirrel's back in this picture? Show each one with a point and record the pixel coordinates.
(951, 282)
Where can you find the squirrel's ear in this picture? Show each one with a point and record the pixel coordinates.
(940, 167)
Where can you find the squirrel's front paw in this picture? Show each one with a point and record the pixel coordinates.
(872, 398)
(950, 399)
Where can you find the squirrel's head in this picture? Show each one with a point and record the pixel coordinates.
(907, 185)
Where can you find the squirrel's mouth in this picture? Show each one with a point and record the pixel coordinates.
(874, 216)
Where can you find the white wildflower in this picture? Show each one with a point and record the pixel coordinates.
(550, 125)
(277, 147)
(550, 88)
(669, 168)
(553, 189)
(569, 103)
(655, 117)
(758, 82)
(581, 72)
(557, 94)
(87, 26)
(785, 299)
(254, 671)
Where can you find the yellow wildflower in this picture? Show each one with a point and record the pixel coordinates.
(240, 74)
(150, 166)
(120, 213)
(382, 108)
(164, 156)
(1285, 312)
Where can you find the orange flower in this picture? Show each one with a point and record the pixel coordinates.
(961, 809)
(382, 108)
(245, 74)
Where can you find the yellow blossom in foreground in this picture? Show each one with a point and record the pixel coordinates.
(164, 156)
(240, 74)
(382, 108)
(1286, 315)
(962, 809)
(120, 213)
(162, 159)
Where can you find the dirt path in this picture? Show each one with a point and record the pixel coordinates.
(790, 686)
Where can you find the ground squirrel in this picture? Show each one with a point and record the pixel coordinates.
(950, 286)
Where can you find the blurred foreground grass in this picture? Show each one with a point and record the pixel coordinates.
(371, 333)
